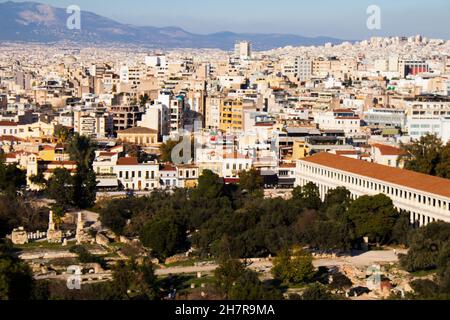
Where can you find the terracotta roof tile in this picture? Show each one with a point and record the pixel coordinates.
(130, 161)
(389, 150)
(410, 179)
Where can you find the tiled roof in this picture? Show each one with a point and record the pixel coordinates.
(129, 161)
(63, 163)
(168, 168)
(389, 150)
(234, 156)
(8, 124)
(346, 152)
(107, 154)
(287, 165)
(409, 179)
(10, 138)
(138, 130)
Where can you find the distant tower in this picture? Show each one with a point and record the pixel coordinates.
(243, 50)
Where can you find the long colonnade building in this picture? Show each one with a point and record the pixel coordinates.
(425, 198)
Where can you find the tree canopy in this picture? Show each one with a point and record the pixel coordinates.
(428, 155)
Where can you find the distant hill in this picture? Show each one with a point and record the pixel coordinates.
(35, 22)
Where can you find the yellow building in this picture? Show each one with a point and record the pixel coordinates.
(300, 150)
(140, 136)
(52, 153)
(232, 115)
(188, 175)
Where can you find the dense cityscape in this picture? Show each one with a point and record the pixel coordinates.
(299, 173)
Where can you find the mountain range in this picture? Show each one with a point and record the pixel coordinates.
(36, 22)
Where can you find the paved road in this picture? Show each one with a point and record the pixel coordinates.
(365, 259)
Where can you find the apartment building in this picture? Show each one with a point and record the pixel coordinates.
(125, 116)
(412, 67)
(133, 175)
(212, 112)
(344, 120)
(232, 115)
(95, 124)
(303, 68)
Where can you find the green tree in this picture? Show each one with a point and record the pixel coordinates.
(308, 196)
(133, 281)
(62, 133)
(443, 168)
(227, 274)
(294, 266)
(425, 156)
(16, 279)
(235, 282)
(143, 99)
(81, 150)
(337, 201)
(166, 151)
(11, 178)
(209, 186)
(248, 287)
(429, 248)
(115, 214)
(401, 229)
(60, 188)
(251, 181)
(317, 292)
(164, 235)
(373, 217)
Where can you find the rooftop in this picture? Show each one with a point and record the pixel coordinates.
(138, 130)
(409, 179)
(389, 150)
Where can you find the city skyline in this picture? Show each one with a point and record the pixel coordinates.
(322, 18)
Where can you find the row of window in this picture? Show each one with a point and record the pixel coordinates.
(139, 174)
(378, 187)
(188, 173)
(241, 166)
(11, 131)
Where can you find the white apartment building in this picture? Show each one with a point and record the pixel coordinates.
(243, 50)
(8, 128)
(92, 124)
(303, 68)
(343, 120)
(137, 176)
(419, 126)
(383, 117)
(156, 117)
(104, 168)
(212, 112)
(425, 198)
(233, 164)
(168, 177)
(429, 117)
(175, 109)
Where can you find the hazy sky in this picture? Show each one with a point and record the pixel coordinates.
(345, 19)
